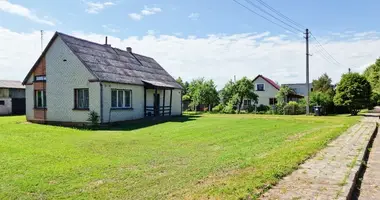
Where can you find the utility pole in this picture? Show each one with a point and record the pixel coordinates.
(307, 73)
(42, 40)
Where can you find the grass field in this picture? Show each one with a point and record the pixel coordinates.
(218, 156)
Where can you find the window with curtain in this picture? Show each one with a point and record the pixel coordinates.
(81, 98)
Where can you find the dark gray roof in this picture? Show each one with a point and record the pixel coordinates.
(111, 64)
(11, 84)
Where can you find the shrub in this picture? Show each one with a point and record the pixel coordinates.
(293, 108)
(229, 109)
(250, 108)
(218, 108)
(262, 107)
(93, 117)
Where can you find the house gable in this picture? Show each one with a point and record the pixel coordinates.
(270, 89)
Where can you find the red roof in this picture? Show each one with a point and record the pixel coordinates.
(274, 84)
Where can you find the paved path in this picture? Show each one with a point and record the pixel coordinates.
(370, 187)
(327, 175)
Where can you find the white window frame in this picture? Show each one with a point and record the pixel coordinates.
(40, 78)
(76, 103)
(260, 84)
(123, 99)
(43, 98)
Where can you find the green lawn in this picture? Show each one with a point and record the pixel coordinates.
(216, 156)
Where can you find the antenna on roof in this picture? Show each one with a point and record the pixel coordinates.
(42, 40)
(106, 40)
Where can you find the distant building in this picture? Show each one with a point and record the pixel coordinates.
(299, 88)
(267, 89)
(12, 98)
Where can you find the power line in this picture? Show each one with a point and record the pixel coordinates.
(265, 17)
(324, 50)
(263, 10)
(280, 14)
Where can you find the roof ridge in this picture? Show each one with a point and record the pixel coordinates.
(60, 33)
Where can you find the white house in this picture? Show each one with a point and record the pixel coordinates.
(266, 89)
(73, 77)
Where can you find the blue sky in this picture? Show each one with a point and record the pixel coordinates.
(215, 16)
(199, 36)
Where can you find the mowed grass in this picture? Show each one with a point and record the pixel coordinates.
(194, 157)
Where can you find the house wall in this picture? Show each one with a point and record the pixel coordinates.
(4, 92)
(62, 77)
(137, 111)
(29, 95)
(16, 93)
(6, 109)
(299, 88)
(269, 92)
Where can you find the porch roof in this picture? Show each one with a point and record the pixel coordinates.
(158, 84)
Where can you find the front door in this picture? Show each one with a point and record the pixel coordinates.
(156, 104)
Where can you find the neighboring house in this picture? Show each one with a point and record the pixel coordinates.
(266, 89)
(74, 76)
(299, 88)
(12, 98)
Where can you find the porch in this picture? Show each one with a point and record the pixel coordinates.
(158, 98)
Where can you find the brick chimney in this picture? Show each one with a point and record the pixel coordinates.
(129, 49)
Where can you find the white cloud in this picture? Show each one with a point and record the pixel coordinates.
(16, 9)
(135, 16)
(217, 56)
(194, 16)
(96, 7)
(110, 28)
(150, 11)
(145, 12)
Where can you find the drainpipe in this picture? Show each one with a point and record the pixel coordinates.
(101, 102)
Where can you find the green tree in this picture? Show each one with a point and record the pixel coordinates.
(209, 94)
(283, 93)
(227, 92)
(320, 99)
(353, 91)
(203, 91)
(244, 89)
(323, 84)
(185, 85)
(372, 74)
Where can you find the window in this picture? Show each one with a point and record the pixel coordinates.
(272, 101)
(81, 98)
(260, 87)
(121, 98)
(247, 102)
(2, 102)
(39, 78)
(40, 99)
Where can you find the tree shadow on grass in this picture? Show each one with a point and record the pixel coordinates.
(134, 124)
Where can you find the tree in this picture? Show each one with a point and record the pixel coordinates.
(227, 92)
(203, 91)
(353, 91)
(195, 92)
(244, 89)
(320, 99)
(185, 85)
(372, 74)
(283, 93)
(323, 84)
(209, 94)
